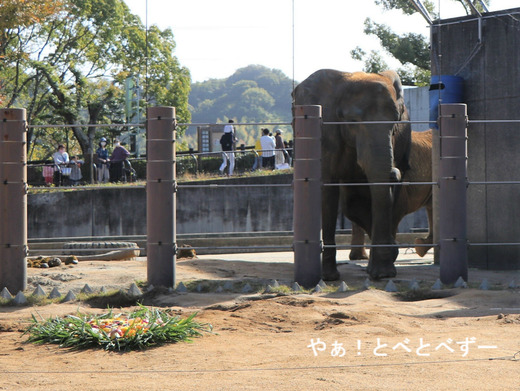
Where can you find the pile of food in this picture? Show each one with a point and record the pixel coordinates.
(142, 328)
(46, 262)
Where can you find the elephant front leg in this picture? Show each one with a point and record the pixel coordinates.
(382, 258)
(358, 239)
(329, 211)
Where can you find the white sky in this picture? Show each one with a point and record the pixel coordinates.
(215, 38)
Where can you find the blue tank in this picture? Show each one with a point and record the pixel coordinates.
(444, 89)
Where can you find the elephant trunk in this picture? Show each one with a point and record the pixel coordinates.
(375, 156)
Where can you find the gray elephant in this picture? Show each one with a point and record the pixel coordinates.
(410, 198)
(360, 153)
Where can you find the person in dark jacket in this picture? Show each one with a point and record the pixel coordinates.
(119, 155)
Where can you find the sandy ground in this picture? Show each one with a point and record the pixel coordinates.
(363, 339)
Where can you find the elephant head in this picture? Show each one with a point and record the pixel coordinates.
(360, 152)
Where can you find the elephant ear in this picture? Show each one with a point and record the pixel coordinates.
(402, 132)
(398, 87)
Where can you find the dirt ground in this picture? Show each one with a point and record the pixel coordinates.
(363, 339)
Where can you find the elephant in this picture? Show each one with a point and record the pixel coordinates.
(411, 198)
(359, 153)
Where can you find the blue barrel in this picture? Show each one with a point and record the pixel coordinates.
(444, 89)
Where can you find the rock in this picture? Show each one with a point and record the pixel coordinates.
(55, 293)
(181, 288)
(460, 283)
(5, 294)
(134, 290)
(247, 288)
(484, 285)
(276, 284)
(54, 262)
(87, 290)
(72, 260)
(228, 286)
(186, 251)
(296, 287)
(415, 286)
(20, 298)
(343, 287)
(366, 284)
(437, 286)
(38, 291)
(318, 289)
(322, 284)
(390, 286)
(69, 297)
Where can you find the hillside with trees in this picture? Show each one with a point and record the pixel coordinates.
(252, 94)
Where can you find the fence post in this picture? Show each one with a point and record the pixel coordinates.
(453, 251)
(13, 200)
(160, 196)
(307, 186)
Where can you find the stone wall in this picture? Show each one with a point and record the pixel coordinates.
(114, 212)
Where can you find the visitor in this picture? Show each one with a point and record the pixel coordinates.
(227, 141)
(102, 161)
(119, 155)
(258, 155)
(61, 159)
(280, 149)
(75, 171)
(268, 149)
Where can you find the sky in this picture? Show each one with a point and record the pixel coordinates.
(215, 38)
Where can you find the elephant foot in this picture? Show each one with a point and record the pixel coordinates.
(330, 275)
(382, 271)
(421, 251)
(358, 253)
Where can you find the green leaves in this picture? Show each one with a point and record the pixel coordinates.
(59, 68)
(138, 330)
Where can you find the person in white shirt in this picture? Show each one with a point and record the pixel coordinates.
(61, 159)
(268, 147)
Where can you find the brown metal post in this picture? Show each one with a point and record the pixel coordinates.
(453, 252)
(160, 196)
(13, 200)
(307, 243)
(435, 191)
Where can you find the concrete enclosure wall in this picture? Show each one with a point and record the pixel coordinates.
(485, 54)
(417, 101)
(112, 212)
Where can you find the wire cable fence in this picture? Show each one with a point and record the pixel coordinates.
(195, 157)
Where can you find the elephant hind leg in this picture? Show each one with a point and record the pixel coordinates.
(358, 239)
(422, 250)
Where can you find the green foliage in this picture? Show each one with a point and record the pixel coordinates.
(138, 330)
(374, 62)
(412, 50)
(252, 94)
(70, 69)
(409, 48)
(404, 5)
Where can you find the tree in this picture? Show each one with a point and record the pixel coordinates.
(411, 50)
(252, 94)
(70, 68)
